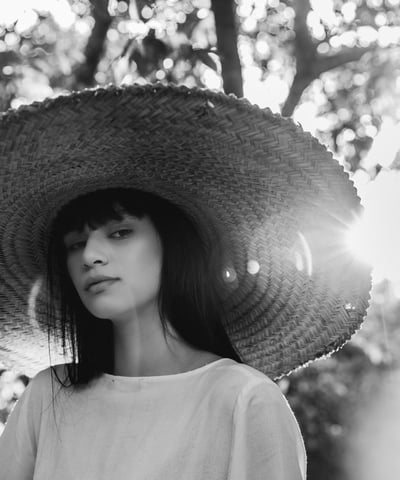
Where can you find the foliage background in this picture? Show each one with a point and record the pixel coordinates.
(334, 68)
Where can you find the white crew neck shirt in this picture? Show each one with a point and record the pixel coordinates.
(222, 421)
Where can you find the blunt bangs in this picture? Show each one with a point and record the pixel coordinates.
(97, 208)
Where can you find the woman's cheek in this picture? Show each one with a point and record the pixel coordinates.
(73, 270)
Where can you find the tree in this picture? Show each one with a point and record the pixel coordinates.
(340, 56)
(346, 57)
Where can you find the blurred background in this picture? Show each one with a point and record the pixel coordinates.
(331, 65)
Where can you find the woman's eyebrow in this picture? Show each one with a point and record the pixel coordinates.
(111, 221)
(72, 234)
(77, 232)
(125, 218)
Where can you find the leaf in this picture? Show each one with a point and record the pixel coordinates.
(206, 58)
(9, 58)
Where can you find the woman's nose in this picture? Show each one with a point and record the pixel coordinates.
(95, 250)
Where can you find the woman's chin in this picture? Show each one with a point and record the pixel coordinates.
(119, 309)
(105, 310)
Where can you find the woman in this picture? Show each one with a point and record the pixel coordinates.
(114, 250)
(195, 251)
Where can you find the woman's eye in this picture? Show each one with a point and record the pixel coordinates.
(75, 246)
(123, 232)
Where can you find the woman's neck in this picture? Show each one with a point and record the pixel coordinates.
(140, 349)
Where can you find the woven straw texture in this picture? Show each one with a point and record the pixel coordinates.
(280, 202)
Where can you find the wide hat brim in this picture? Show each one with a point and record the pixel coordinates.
(282, 205)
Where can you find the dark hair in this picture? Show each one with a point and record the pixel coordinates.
(190, 286)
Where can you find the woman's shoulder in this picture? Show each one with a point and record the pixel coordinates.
(53, 374)
(257, 396)
(244, 374)
(60, 368)
(241, 381)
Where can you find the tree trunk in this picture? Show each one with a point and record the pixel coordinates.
(226, 31)
(84, 74)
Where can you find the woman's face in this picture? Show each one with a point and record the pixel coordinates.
(124, 258)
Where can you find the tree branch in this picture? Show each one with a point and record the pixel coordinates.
(305, 52)
(346, 55)
(225, 27)
(305, 48)
(300, 83)
(309, 64)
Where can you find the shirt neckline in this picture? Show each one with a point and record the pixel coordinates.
(161, 378)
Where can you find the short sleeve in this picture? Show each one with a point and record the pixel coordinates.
(18, 442)
(267, 443)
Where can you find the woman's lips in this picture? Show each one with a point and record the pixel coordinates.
(97, 287)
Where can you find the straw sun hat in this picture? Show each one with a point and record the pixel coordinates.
(281, 204)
